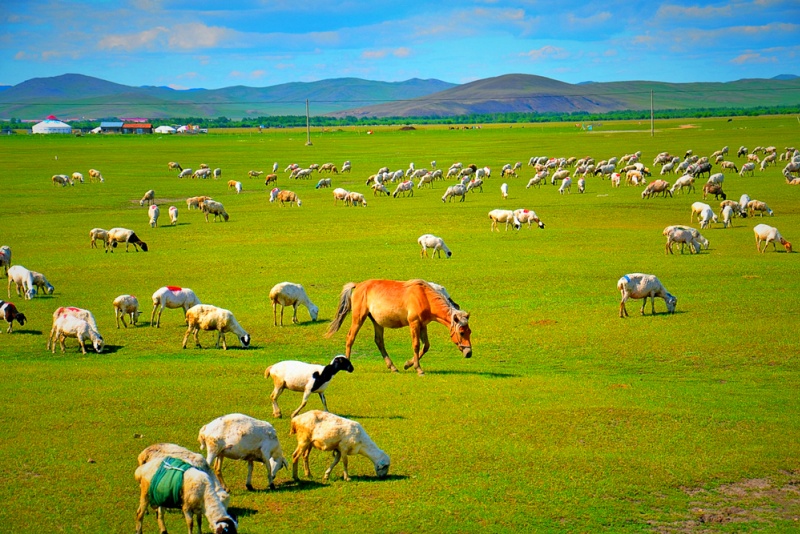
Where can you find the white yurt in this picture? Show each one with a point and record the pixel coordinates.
(51, 125)
(165, 130)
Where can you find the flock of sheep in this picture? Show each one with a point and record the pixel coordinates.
(201, 486)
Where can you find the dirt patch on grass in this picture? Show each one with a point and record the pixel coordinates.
(750, 504)
(687, 126)
(544, 322)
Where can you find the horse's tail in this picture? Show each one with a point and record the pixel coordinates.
(344, 308)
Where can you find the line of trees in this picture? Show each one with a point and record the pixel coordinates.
(293, 121)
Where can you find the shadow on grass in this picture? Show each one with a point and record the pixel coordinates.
(29, 332)
(476, 373)
(302, 324)
(237, 513)
(353, 416)
(374, 479)
(300, 485)
(108, 349)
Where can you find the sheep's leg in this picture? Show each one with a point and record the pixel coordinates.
(306, 394)
(276, 411)
(249, 483)
(189, 518)
(142, 510)
(217, 466)
(324, 400)
(644, 303)
(275, 314)
(623, 312)
(336, 456)
(381, 346)
(186, 336)
(61, 343)
(294, 316)
(153, 315)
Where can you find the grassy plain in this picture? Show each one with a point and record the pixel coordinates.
(567, 418)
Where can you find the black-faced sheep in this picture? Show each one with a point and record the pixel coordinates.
(305, 377)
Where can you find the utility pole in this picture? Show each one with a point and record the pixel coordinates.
(652, 123)
(308, 127)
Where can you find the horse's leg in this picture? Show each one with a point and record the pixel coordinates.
(355, 326)
(381, 346)
(418, 333)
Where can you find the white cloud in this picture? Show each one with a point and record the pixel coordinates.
(380, 54)
(692, 12)
(753, 57)
(546, 52)
(592, 20)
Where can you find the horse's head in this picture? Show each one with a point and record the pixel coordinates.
(460, 332)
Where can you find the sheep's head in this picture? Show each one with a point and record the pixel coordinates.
(448, 254)
(314, 311)
(226, 526)
(48, 289)
(541, 225)
(141, 244)
(342, 363)
(30, 293)
(382, 467)
(245, 340)
(786, 245)
(98, 344)
(671, 301)
(20, 318)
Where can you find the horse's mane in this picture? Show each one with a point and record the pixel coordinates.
(432, 294)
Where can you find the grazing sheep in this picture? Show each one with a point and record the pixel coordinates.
(97, 234)
(729, 166)
(22, 278)
(123, 235)
(197, 496)
(70, 326)
(62, 180)
(757, 206)
(504, 216)
(173, 215)
(94, 175)
(80, 313)
(642, 286)
(217, 173)
(379, 188)
(655, 187)
(769, 234)
(304, 377)
(290, 294)
(207, 317)
(563, 174)
(346, 167)
(186, 173)
(5, 258)
(457, 190)
(541, 177)
(148, 198)
(475, 183)
(704, 214)
(240, 437)
(126, 305)
(738, 210)
(255, 174)
(427, 241)
(683, 236)
(271, 178)
(10, 313)
(287, 196)
(684, 182)
(171, 297)
(233, 184)
(714, 189)
(155, 213)
(747, 167)
(324, 182)
(695, 234)
(328, 432)
(528, 216)
(194, 202)
(354, 199)
(615, 179)
(202, 172)
(214, 208)
(77, 177)
(172, 165)
(340, 194)
(404, 187)
(504, 191)
(42, 284)
(582, 184)
(727, 215)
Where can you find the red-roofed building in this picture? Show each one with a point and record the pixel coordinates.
(137, 128)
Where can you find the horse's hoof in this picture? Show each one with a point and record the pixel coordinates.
(408, 364)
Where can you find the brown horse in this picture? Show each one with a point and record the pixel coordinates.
(393, 304)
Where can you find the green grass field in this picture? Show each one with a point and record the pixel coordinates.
(567, 418)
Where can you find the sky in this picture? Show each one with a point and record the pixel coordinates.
(211, 44)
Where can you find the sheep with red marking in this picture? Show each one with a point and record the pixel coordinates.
(155, 213)
(304, 377)
(80, 313)
(10, 313)
(528, 216)
(211, 318)
(240, 437)
(504, 216)
(404, 187)
(328, 432)
(71, 326)
(642, 286)
(769, 234)
(290, 294)
(173, 215)
(171, 297)
(126, 305)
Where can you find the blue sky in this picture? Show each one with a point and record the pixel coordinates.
(212, 44)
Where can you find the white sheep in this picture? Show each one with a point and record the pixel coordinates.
(155, 213)
(757, 206)
(22, 278)
(769, 234)
(340, 194)
(194, 202)
(149, 198)
(528, 216)
(582, 184)
(537, 180)
(457, 190)
(94, 175)
(695, 234)
(328, 432)
(71, 326)
(240, 437)
(62, 180)
(290, 294)
(354, 199)
(171, 297)
(126, 305)
(123, 235)
(324, 182)
(77, 177)
(504, 216)
(237, 186)
(97, 234)
(173, 215)
(42, 284)
(727, 215)
(217, 173)
(747, 167)
(304, 377)
(404, 187)
(186, 173)
(566, 185)
(5, 258)
(80, 313)
(475, 183)
(427, 241)
(684, 182)
(214, 208)
(704, 214)
(202, 172)
(379, 188)
(504, 190)
(642, 286)
(197, 498)
(683, 236)
(207, 317)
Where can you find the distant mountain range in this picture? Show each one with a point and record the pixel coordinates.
(72, 96)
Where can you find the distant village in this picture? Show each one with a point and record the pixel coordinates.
(51, 125)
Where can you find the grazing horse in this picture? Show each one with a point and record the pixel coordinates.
(394, 304)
